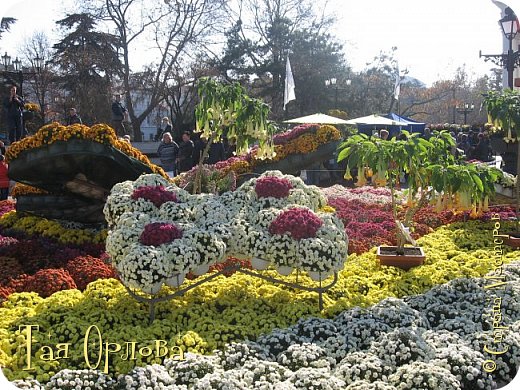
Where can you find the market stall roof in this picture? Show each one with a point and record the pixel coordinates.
(375, 120)
(318, 118)
(412, 126)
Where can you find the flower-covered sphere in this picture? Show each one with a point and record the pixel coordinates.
(271, 186)
(158, 233)
(155, 194)
(300, 223)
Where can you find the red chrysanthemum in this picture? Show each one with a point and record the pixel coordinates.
(86, 269)
(5, 292)
(48, 281)
(275, 187)
(158, 233)
(155, 194)
(298, 222)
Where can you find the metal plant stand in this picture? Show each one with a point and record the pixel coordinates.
(236, 268)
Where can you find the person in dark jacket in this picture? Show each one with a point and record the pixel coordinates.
(216, 153)
(164, 127)
(73, 117)
(482, 150)
(230, 148)
(119, 115)
(199, 144)
(168, 151)
(185, 158)
(13, 107)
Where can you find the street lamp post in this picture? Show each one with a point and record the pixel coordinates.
(333, 83)
(18, 69)
(509, 24)
(466, 109)
(510, 60)
(17, 66)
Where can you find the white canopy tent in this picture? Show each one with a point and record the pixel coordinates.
(375, 120)
(318, 118)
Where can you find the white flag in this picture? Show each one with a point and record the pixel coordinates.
(289, 85)
(397, 86)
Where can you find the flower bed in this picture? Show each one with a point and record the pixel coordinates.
(232, 309)
(409, 347)
(46, 256)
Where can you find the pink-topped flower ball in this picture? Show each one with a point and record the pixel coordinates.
(158, 233)
(275, 187)
(155, 194)
(298, 222)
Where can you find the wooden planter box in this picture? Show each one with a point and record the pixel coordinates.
(513, 240)
(508, 151)
(509, 192)
(413, 257)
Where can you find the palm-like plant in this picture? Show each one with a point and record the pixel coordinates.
(387, 159)
(430, 167)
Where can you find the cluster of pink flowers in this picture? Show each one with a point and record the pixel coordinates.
(283, 138)
(506, 213)
(271, 186)
(6, 206)
(299, 222)
(158, 233)
(229, 162)
(155, 194)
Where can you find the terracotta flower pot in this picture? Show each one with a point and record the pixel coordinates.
(513, 240)
(413, 256)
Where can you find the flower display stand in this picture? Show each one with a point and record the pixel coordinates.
(80, 174)
(297, 162)
(49, 167)
(509, 192)
(61, 207)
(152, 301)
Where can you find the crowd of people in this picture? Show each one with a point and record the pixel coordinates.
(472, 145)
(475, 145)
(181, 156)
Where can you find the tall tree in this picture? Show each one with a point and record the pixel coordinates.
(177, 29)
(89, 63)
(5, 24)
(42, 78)
(264, 33)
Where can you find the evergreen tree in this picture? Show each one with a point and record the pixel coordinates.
(89, 63)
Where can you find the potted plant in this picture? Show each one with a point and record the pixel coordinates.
(463, 187)
(226, 110)
(504, 114)
(385, 160)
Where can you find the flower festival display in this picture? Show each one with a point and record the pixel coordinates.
(380, 328)
(432, 175)
(293, 150)
(160, 233)
(339, 352)
(68, 171)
